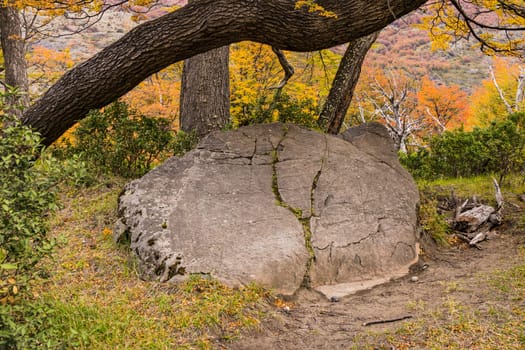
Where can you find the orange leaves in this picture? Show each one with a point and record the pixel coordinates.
(159, 94)
(47, 65)
(444, 106)
(412, 110)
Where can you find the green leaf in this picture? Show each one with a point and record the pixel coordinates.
(8, 266)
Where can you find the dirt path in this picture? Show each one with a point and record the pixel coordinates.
(316, 323)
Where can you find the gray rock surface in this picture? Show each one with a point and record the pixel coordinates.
(278, 205)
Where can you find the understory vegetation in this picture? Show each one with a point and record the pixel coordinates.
(118, 140)
(498, 148)
(497, 323)
(65, 284)
(92, 298)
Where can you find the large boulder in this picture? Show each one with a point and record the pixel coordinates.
(278, 205)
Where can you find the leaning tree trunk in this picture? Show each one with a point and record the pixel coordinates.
(14, 50)
(197, 28)
(342, 90)
(205, 92)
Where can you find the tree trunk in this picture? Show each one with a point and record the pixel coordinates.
(14, 50)
(342, 90)
(197, 28)
(205, 92)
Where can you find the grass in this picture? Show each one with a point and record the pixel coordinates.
(480, 186)
(100, 303)
(498, 322)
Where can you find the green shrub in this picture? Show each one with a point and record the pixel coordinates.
(286, 110)
(27, 195)
(184, 142)
(417, 163)
(433, 223)
(495, 149)
(120, 141)
(459, 153)
(506, 143)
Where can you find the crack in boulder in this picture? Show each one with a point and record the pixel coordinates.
(277, 204)
(305, 221)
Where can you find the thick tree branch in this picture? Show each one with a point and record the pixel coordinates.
(287, 67)
(197, 28)
(345, 81)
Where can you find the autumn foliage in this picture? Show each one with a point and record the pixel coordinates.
(411, 90)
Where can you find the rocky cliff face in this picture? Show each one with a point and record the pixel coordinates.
(278, 205)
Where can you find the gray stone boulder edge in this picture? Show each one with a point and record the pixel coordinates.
(278, 205)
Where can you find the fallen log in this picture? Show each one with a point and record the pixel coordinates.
(480, 237)
(472, 219)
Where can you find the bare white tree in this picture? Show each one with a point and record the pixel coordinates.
(515, 105)
(394, 101)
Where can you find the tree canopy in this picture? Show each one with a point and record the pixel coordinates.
(196, 28)
(284, 24)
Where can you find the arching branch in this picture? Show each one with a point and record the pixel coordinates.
(196, 28)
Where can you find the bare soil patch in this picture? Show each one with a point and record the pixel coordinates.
(459, 273)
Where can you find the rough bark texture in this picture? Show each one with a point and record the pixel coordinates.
(197, 28)
(334, 111)
(14, 50)
(205, 92)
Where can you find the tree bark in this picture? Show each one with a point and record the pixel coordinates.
(197, 28)
(342, 90)
(14, 51)
(205, 92)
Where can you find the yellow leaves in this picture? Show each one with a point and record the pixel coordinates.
(107, 232)
(492, 24)
(255, 69)
(7, 300)
(314, 7)
(56, 8)
(486, 104)
(275, 115)
(8, 290)
(138, 17)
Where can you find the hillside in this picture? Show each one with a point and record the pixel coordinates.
(400, 45)
(403, 45)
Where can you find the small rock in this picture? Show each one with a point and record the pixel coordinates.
(414, 278)
(334, 299)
